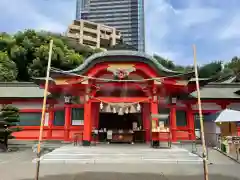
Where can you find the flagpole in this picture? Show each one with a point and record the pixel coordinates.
(43, 110)
(205, 167)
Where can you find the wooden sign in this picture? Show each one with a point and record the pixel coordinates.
(160, 116)
(154, 125)
(236, 139)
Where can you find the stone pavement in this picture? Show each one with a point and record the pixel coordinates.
(214, 157)
(19, 166)
(127, 154)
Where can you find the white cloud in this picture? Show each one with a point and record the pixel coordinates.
(172, 26)
(31, 17)
(162, 23)
(195, 16)
(231, 29)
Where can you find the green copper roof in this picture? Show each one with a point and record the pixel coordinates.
(20, 90)
(31, 90)
(218, 91)
(116, 56)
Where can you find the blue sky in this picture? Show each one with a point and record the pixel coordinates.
(172, 26)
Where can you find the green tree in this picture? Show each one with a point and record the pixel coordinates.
(9, 118)
(72, 60)
(171, 65)
(210, 69)
(18, 54)
(85, 51)
(8, 69)
(165, 62)
(25, 54)
(234, 65)
(6, 42)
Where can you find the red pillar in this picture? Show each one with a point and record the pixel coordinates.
(68, 117)
(154, 110)
(93, 117)
(146, 120)
(87, 124)
(173, 123)
(50, 121)
(96, 115)
(223, 106)
(190, 122)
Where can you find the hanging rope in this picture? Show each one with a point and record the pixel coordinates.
(126, 105)
(123, 80)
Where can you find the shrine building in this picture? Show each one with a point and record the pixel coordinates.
(122, 91)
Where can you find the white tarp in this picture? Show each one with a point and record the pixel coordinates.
(228, 115)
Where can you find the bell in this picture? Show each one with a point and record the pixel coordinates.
(120, 112)
(138, 107)
(126, 111)
(101, 105)
(108, 109)
(132, 109)
(86, 98)
(114, 110)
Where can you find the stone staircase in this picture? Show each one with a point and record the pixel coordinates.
(52, 144)
(125, 154)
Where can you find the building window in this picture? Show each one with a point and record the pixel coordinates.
(59, 118)
(181, 118)
(238, 124)
(77, 116)
(30, 119)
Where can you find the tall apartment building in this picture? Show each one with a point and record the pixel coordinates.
(93, 34)
(125, 15)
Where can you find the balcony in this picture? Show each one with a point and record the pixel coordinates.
(89, 38)
(90, 30)
(105, 36)
(73, 26)
(73, 35)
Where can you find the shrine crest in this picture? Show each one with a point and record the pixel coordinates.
(121, 70)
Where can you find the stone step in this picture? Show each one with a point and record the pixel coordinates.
(110, 154)
(102, 161)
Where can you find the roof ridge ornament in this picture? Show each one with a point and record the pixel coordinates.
(121, 71)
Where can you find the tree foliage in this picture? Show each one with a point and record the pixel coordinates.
(9, 118)
(25, 54)
(165, 62)
(8, 69)
(234, 65)
(207, 70)
(210, 69)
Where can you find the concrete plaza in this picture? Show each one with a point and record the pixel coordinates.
(19, 166)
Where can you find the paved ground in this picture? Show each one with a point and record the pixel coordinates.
(213, 155)
(132, 154)
(19, 166)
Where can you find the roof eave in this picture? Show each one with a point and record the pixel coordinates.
(160, 68)
(41, 81)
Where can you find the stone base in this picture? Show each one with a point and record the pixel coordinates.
(86, 143)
